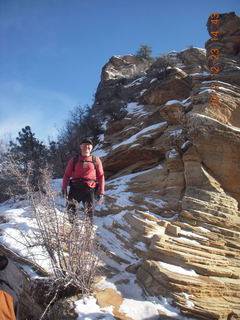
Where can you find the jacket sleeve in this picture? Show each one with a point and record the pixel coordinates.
(100, 177)
(67, 174)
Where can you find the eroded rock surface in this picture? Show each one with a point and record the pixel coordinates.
(173, 164)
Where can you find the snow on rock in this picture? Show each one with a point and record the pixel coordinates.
(207, 91)
(135, 108)
(138, 310)
(170, 102)
(178, 269)
(135, 82)
(99, 153)
(88, 309)
(133, 138)
(20, 231)
(184, 103)
(172, 154)
(142, 92)
(176, 133)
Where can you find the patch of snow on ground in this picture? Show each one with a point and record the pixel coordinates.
(221, 82)
(136, 303)
(104, 284)
(20, 231)
(190, 233)
(138, 310)
(172, 154)
(142, 92)
(154, 79)
(189, 303)
(207, 91)
(205, 73)
(170, 102)
(185, 144)
(177, 269)
(88, 309)
(158, 202)
(227, 90)
(150, 309)
(176, 133)
(203, 229)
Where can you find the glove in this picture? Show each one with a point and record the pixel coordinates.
(100, 198)
(64, 194)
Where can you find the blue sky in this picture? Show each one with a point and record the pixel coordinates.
(52, 51)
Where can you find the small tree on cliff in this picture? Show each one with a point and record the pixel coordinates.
(144, 52)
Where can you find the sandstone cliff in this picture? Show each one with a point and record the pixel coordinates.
(172, 159)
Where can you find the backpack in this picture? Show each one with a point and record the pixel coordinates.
(6, 306)
(75, 161)
(11, 283)
(76, 181)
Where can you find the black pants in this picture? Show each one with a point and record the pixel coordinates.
(81, 192)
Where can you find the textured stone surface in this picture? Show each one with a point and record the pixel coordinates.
(188, 169)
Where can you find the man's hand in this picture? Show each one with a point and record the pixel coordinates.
(64, 194)
(100, 199)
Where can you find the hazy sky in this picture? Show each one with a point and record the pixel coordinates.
(52, 51)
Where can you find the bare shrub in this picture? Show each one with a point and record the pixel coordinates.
(162, 65)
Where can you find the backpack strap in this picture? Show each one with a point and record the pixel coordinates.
(94, 160)
(75, 161)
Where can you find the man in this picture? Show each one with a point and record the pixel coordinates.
(86, 183)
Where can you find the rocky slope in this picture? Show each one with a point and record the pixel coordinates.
(172, 159)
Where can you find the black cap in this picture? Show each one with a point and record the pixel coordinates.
(86, 140)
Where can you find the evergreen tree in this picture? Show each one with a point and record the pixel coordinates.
(144, 52)
(26, 150)
(56, 158)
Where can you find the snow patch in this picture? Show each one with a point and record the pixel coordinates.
(176, 133)
(172, 154)
(133, 138)
(88, 309)
(184, 102)
(154, 79)
(135, 108)
(142, 92)
(135, 82)
(177, 269)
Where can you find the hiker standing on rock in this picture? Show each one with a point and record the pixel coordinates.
(85, 176)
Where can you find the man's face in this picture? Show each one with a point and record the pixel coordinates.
(86, 148)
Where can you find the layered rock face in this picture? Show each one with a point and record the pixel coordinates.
(173, 165)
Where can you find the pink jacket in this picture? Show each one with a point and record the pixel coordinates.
(85, 170)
